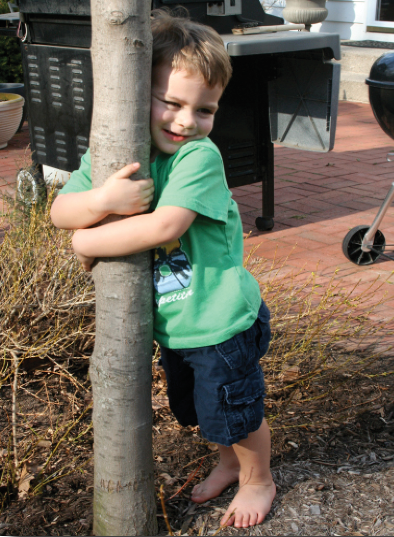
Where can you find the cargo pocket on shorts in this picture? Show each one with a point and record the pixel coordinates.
(244, 405)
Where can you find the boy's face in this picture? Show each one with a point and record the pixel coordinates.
(183, 109)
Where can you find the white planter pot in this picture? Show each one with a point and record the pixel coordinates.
(305, 12)
(19, 89)
(10, 116)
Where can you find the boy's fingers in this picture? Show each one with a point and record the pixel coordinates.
(147, 184)
(149, 193)
(126, 171)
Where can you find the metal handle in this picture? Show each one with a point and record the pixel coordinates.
(370, 234)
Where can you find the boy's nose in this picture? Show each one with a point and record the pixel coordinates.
(186, 120)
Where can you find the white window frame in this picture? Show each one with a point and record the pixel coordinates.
(371, 16)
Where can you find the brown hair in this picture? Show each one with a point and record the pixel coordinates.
(185, 44)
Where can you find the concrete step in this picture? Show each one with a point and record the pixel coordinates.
(356, 64)
(353, 87)
(360, 59)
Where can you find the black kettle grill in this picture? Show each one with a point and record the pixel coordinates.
(363, 245)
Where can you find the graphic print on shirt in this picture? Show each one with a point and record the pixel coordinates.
(172, 270)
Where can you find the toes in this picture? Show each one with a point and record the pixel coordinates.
(198, 499)
(228, 519)
(260, 518)
(240, 520)
(198, 494)
(246, 521)
(253, 519)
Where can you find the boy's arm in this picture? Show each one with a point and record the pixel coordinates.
(118, 195)
(132, 235)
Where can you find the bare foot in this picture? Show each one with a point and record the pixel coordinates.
(220, 478)
(250, 506)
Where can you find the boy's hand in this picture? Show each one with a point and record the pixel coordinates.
(122, 196)
(86, 261)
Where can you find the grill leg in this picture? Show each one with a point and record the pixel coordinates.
(266, 221)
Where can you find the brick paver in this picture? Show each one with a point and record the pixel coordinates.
(318, 198)
(14, 157)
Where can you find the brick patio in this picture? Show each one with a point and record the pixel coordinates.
(318, 198)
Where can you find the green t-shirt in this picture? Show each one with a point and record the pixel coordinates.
(203, 293)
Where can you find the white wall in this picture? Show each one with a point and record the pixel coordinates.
(348, 18)
(274, 7)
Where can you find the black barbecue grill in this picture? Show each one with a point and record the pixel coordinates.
(284, 87)
(363, 245)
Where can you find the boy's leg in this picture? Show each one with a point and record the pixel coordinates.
(180, 386)
(257, 490)
(224, 474)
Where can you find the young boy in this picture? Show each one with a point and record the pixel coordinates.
(209, 319)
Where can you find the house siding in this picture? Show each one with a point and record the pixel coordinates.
(348, 18)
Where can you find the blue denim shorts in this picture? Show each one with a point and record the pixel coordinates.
(220, 387)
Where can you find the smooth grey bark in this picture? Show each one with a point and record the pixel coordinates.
(120, 367)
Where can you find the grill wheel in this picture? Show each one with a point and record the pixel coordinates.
(351, 246)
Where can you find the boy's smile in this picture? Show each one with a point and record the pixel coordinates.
(174, 137)
(183, 108)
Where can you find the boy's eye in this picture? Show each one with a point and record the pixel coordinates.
(206, 111)
(170, 103)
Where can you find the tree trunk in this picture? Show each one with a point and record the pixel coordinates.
(120, 368)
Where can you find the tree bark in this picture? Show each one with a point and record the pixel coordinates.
(120, 367)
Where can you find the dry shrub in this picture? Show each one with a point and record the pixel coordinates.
(322, 336)
(46, 299)
(46, 319)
